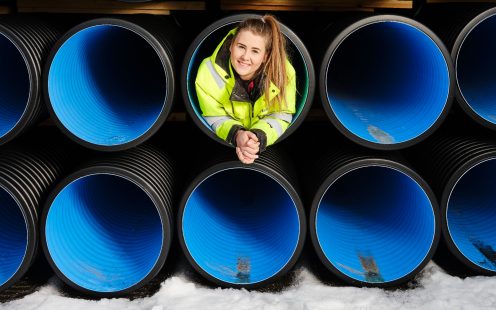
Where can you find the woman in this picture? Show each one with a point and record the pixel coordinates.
(247, 88)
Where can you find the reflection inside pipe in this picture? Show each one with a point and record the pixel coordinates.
(471, 215)
(240, 226)
(375, 224)
(387, 82)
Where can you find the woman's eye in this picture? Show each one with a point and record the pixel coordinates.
(255, 51)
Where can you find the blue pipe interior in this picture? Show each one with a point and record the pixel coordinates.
(104, 233)
(388, 82)
(375, 224)
(471, 215)
(107, 85)
(476, 67)
(206, 49)
(14, 85)
(13, 236)
(240, 226)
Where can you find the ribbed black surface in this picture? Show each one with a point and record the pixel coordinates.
(28, 174)
(34, 38)
(145, 165)
(275, 163)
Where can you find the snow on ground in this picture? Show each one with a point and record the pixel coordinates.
(436, 290)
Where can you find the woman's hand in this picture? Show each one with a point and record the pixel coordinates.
(247, 146)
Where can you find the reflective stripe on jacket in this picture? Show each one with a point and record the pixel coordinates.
(226, 108)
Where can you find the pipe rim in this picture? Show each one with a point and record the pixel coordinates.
(167, 230)
(161, 53)
(447, 192)
(232, 165)
(364, 163)
(235, 19)
(31, 235)
(333, 47)
(464, 34)
(34, 87)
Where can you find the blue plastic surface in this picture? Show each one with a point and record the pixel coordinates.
(471, 215)
(104, 233)
(13, 236)
(14, 85)
(476, 69)
(375, 224)
(388, 82)
(240, 226)
(107, 85)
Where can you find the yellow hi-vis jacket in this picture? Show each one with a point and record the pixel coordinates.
(226, 106)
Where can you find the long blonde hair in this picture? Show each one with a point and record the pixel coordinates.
(274, 69)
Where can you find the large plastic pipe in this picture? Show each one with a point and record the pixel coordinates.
(473, 55)
(26, 176)
(242, 226)
(110, 82)
(373, 221)
(462, 170)
(24, 46)
(386, 81)
(107, 228)
(204, 45)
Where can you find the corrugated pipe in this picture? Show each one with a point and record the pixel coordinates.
(475, 67)
(204, 45)
(462, 170)
(243, 225)
(26, 177)
(373, 220)
(24, 46)
(107, 228)
(110, 82)
(386, 82)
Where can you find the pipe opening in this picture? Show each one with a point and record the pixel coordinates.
(107, 85)
(14, 85)
(206, 48)
(471, 215)
(476, 67)
(375, 224)
(13, 236)
(104, 233)
(240, 226)
(387, 82)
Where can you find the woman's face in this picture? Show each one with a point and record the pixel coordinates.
(247, 54)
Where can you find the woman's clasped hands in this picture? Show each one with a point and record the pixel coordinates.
(247, 146)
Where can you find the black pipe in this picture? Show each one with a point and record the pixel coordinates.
(461, 169)
(107, 228)
(243, 225)
(204, 45)
(24, 44)
(27, 175)
(373, 220)
(110, 82)
(386, 82)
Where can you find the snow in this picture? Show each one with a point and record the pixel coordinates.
(435, 290)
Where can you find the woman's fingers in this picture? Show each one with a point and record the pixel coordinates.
(252, 136)
(245, 157)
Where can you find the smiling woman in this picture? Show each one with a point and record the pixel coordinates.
(247, 88)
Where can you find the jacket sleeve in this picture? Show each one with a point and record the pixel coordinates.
(224, 126)
(269, 128)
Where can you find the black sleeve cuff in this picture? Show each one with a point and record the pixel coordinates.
(231, 136)
(262, 138)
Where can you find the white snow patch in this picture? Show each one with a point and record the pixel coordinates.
(437, 290)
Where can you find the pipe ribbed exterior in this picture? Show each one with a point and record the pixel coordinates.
(386, 82)
(373, 220)
(462, 171)
(107, 228)
(110, 82)
(243, 225)
(204, 45)
(26, 177)
(473, 55)
(24, 45)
